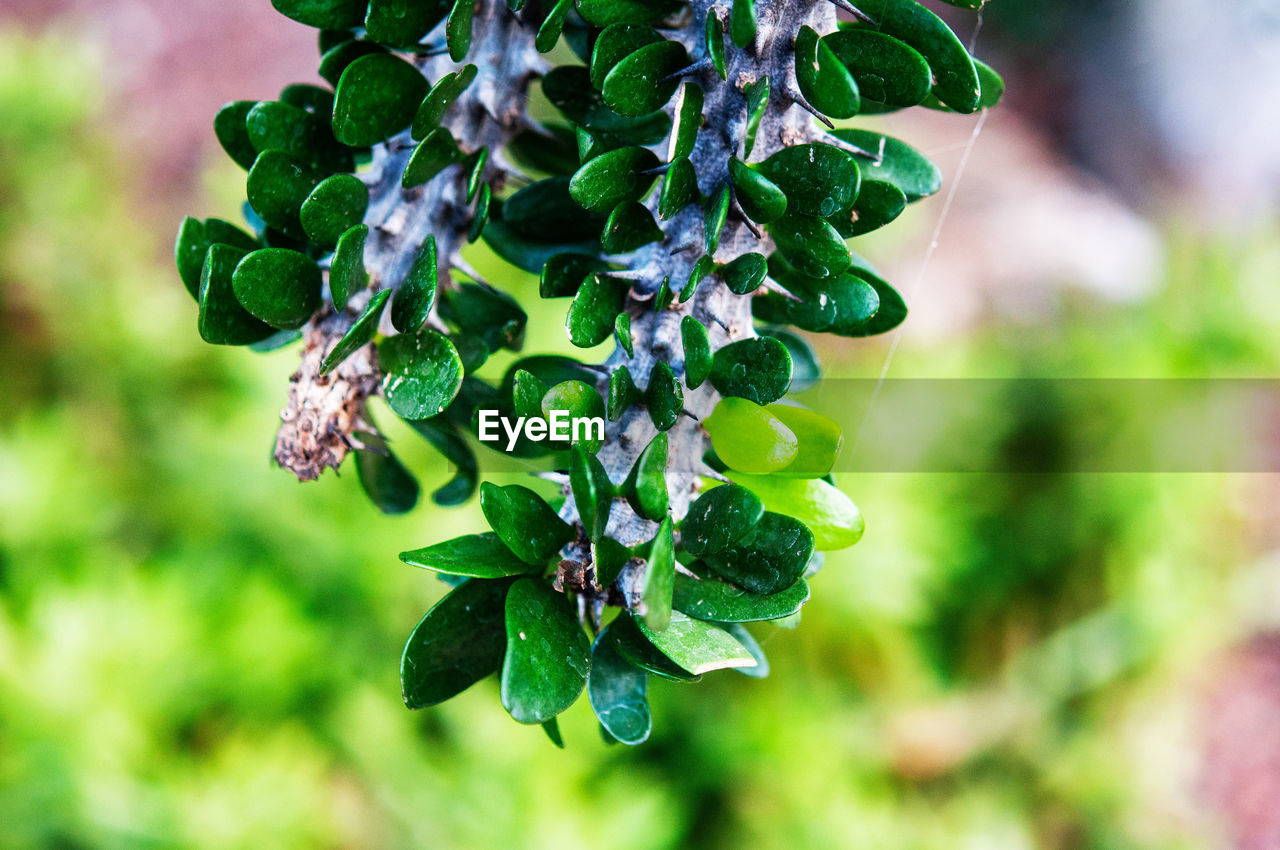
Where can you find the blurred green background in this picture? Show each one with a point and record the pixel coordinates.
(196, 651)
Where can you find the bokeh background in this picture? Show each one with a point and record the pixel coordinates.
(196, 651)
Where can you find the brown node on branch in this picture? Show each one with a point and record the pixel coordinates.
(324, 411)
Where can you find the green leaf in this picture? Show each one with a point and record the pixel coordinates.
(487, 313)
(552, 26)
(377, 97)
(602, 13)
(278, 286)
(823, 79)
(618, 693)
(622, 333)
(458, 29)
(347, 275)
(476, 555)
(659, 575)
(391, 487)
(887, 70)
(805, 369)
(421, 373)
(578, 400)
(646, 484)
(527, 393)
(569, 89)
(697, 351)
(306, 137)
(549, 368)
(629, 227)
(719, 518)
(230, 129)
(524, 522)
(622, 393)
(548, 655)
(697, 647)
(222, 320)
(820, 440)
(611, 178)
(193, 242)
(687, 121)
(553, 151)
(896, 162)
(722, 602)
(590, 319)
(818, 179)
(609, 557)
(957, 80)
(633, 646)
(714, 36)
(642, 82)
(834, 520)
(615, 43)
(417, 291)
(892, 311)
(841, 305)
(714, 217)
(811, 244)
(757, 102)
(402, 23)
(276, 188)
(757, 369)
(679, 187)
(359, 335)
(991, 83)
(334, 206)
(460, 641)
(442, 95)
(546, 211)
(565, 273)
(338, 58)
(189, 251)
(745, 274)
(592, 491)
(323, 14)
(703, 267)
(552, 730)
(742, 636)
(217, 230)
(466, 478)
(769, 559)
(433, 154)
(878, 204)
(748, 438)
(663, 396)
(759, 198)
(742, 23)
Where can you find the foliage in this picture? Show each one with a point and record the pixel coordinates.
(752, 217)
(193, 652)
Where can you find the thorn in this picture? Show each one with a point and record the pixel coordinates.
(751, 225)
(799, 101)
(708, 472)
(465, 267)
(850, 148)
(857, 13)
(689, 247)
(656, 170)
(691, 415)
(695, 68)
(770, 285)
